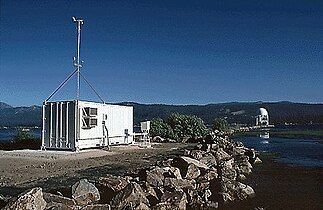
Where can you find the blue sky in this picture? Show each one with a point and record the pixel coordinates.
(172, 52)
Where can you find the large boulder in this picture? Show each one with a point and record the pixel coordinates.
(97, 207)
(172, 172)
(192, 172)
(244, 191)
(220, 155)
(61, 206)
(154, 176)
(115, 183)
(208, 176)
(150, 193)
(175, 200)
(57, 202)
(197, 154)
(158, 139)
(52, 198)
(173, 183)
(130, 197)
(183, 162)
(208, 159)
(84, 192)
(31, 200)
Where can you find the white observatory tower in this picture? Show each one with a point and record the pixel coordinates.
(262, 118)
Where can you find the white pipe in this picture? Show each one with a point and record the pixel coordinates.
(61, 125)
(66, 134)
(51, 125)
(56, 136)
(43, 129)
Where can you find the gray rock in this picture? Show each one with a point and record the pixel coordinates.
(153, 176)
(174, 183)
(220, 155)
(97, 207)
(197, 154)
(158, 139)
(60, 206)
(142, 206)
(31, 200)
(115, 183)
(130, 197)
(52, 198)
(229, 173)
(192, 172)
(208, 159)
(150, 193)
(226, 197)
(84, 192)
(244, 191)
(194, 199)
(177, 200)
(208, 176)
(172, 172)
(257, 160)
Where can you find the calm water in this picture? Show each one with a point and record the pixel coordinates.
(10, 133)
(299, 152)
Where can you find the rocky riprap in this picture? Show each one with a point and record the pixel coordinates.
(206, 177)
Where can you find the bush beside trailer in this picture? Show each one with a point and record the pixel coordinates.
(75, 125)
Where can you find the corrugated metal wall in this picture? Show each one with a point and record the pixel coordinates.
(59, 125)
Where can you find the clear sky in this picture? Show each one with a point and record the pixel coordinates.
(173, 52)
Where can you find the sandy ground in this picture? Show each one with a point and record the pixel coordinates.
(24, 169)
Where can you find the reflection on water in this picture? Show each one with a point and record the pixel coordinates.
(301, 152)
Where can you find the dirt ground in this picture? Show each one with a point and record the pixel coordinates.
(20, 170)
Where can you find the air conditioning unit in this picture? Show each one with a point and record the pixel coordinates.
(91, 111)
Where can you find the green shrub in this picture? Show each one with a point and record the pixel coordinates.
(24, 135)
(162, 129)
(220, 124)
(189, 126)
(22, 140)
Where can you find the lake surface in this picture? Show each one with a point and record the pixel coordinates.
(10, 133)
(298, 152)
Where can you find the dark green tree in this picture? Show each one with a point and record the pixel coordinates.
(162, 129)
(220, 124)
(187, 126)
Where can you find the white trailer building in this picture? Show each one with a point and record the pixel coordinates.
(76, 125)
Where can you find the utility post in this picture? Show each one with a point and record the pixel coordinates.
(76, 60)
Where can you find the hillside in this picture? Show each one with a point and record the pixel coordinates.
(235, 112)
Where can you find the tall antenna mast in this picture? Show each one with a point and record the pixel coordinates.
(78, 65)
(76, 60)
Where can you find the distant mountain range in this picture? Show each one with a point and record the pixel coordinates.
(235, 112)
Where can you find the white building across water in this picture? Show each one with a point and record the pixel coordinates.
(262, 117)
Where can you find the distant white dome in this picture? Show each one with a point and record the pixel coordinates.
(262, 111)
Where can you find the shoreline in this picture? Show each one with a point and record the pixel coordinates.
(284, 135)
